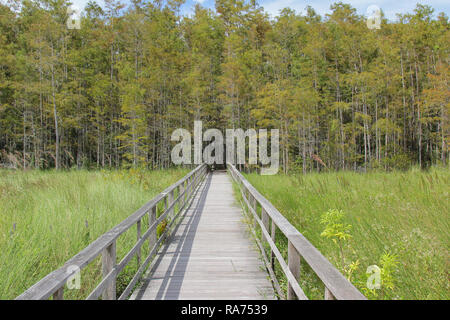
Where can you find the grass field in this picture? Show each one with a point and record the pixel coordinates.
(46, 217)
(399, 222)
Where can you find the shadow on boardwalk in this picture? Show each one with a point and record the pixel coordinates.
(183, 249)
(210, 254)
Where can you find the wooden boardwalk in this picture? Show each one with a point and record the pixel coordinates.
(207, 255)
(210, 254)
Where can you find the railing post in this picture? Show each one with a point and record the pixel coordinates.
(182, 198)
(193, 181)
(196, 175)
(169, 200)
(188, 188)
(245, 194)
(108, 263)
(253, 204)
(186, 191)
(138, 236)
(176, 194)
(272, 235)
(328, 295)
(153, 235)
(265, 221)
(294, 267)
(59, 294)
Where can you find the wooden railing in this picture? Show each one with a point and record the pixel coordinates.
(269, 219)
(179, 193)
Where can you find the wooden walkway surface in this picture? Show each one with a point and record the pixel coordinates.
(210, 254)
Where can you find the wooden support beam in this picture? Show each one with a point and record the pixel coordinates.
(266, 223)
(108, 263)
(329, 295)
(255, 207)
(59, 294)
(294, 266)
(153, 235)
(272, 235)
(169, 201)
(105, 246)
(138, 237)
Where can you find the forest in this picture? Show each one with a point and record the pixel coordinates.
(109, 95)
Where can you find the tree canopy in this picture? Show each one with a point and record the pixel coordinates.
(110, 93)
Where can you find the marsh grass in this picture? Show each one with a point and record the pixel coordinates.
(46, 217)
(403, 213)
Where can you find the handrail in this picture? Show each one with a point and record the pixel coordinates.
(53, 283)
(336, 285)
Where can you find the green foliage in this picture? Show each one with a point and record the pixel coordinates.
(388, 263)
(402, 213)
(46, 217)
(399, 161)
(338, 232)
(335, 229)
(111, 93)
(351, 268)
(387, 272)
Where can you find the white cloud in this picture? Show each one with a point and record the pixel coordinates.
(273, 7)
(389, 7)
(80, 4)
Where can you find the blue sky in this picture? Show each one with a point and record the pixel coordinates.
(389, 7)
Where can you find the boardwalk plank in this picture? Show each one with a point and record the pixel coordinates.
(210, 255)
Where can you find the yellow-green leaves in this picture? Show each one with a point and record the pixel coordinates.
(386, 278)
(335, 228)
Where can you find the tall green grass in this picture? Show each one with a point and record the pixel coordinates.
(405, 214)
(47, 217)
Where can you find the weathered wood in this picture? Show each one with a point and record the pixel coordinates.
(272, 236)
(138, 237)
(153, 236)
(102, 286)
(154, 249)
(328, 295)
(55, 280)
(210, 255)
(206, 237)
(268, 263)
(188, 189)
(338, 285)
(290, 277)
(181, 191)
(141, 269)
(294, 266)
(59, 294)
(167, 204)
(266, 223)
(136, 248)
(254, 206)
(108, 263)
